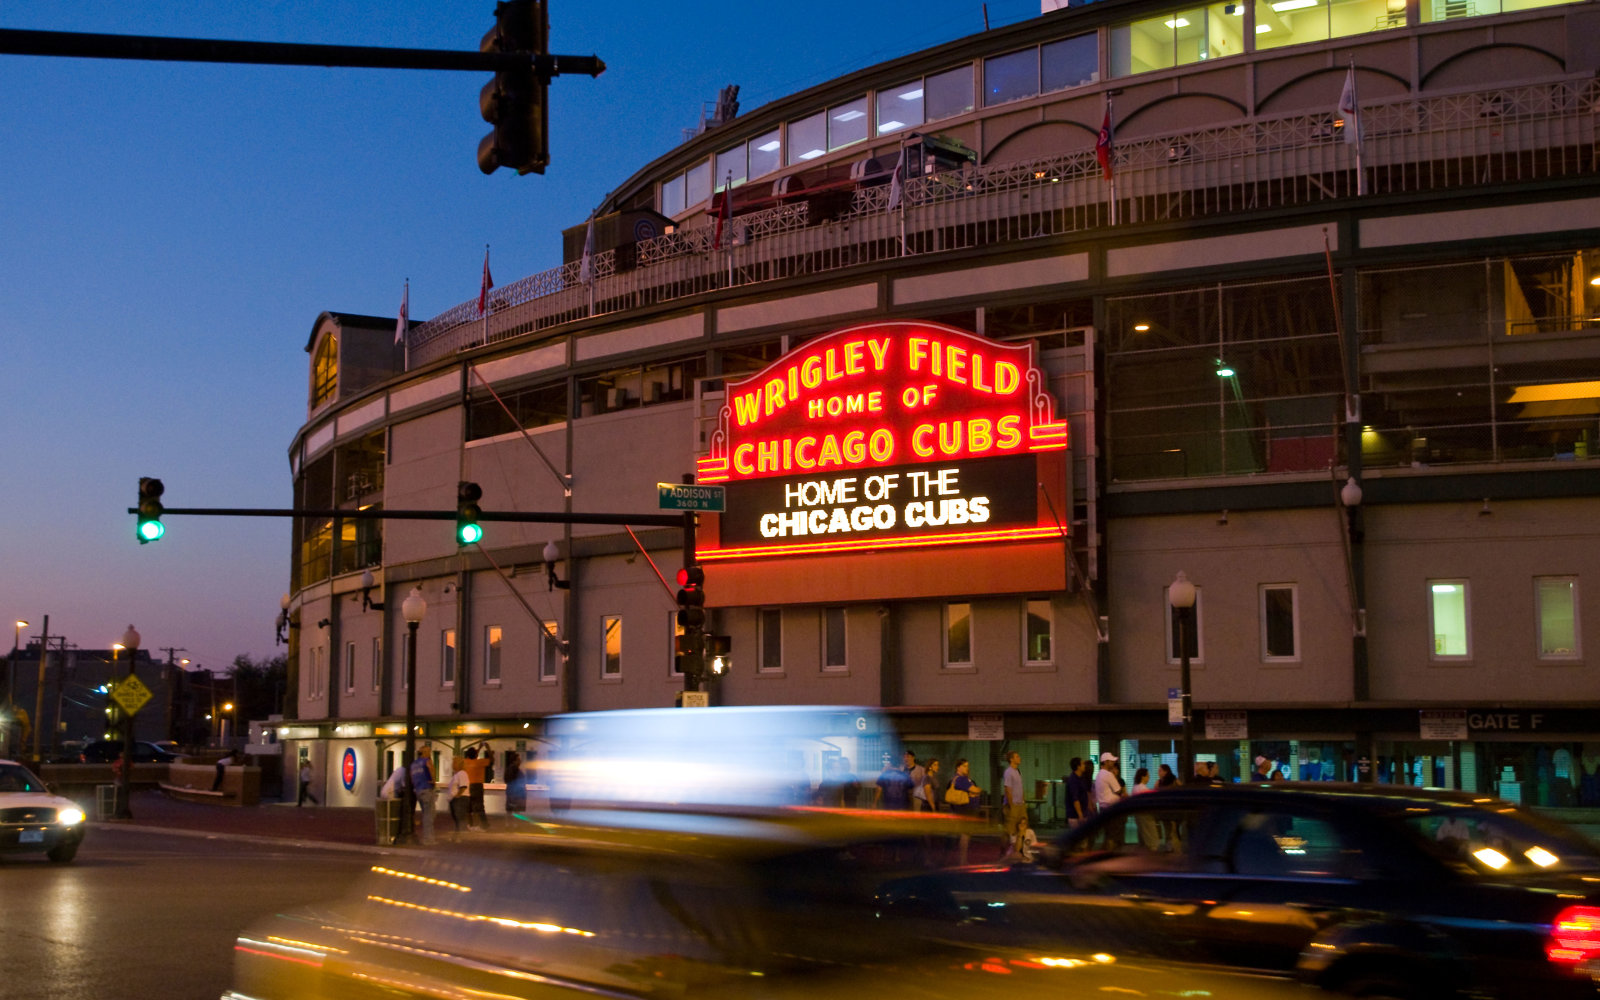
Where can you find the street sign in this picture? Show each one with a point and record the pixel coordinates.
(682, 496)
(131, 694)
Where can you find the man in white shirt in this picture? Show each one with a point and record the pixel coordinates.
(1108, 791)
(1016, 806)
(919, 783)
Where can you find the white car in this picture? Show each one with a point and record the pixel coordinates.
(32, 818)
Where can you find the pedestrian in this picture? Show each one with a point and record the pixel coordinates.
(839, 787)
(305, 784)
(1015, 806)
(1108, 791)
(516, 785)
(460, 800)
(477, 769)
(1266, 770)
(1145, 823)
(1079, 804)
(962, 796)
(918, 775)
(932, 786)
(1165, 778)
(394, 783)
(420, 774)
(893, 789)
(222, 768)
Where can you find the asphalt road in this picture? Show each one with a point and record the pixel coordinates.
(143, 914)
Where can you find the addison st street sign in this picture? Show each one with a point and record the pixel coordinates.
(887, 436)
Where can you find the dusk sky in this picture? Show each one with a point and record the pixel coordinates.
(171, 231)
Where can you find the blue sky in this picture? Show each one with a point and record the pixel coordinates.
(170, 231)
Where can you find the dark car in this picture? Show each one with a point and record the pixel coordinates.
(33, 819)
(1370, 890)
(144, 752)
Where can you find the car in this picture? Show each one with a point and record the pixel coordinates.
(33, 819)
(144, 752)
(673, 869)
(1370, 890)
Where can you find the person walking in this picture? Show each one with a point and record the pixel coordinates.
(962, 795)
(1145, 823)
(1015, 805)
(1108, 791)
(420, 774)
(932, 786)
(1165, 778)
(1079, 804)
(893, 790)
(516, 785)
(460, 802)
(305, 783)
(477, 769)
(917, 784)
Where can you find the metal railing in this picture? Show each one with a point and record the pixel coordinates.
(1509, 134)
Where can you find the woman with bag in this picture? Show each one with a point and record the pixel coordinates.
(962, 797)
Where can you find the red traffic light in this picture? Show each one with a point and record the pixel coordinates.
(691, 576)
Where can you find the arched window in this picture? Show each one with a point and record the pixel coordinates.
(325, 371)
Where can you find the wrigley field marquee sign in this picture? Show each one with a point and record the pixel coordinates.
(886, 435)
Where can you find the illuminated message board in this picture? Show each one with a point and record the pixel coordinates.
(885, 435)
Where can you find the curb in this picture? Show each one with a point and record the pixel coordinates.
(251, 838)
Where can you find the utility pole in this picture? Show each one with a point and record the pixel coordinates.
(38, 691)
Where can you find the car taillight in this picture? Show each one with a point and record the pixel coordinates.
(1575, 935)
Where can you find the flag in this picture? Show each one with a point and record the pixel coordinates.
(586, 269)
(488, 283)
(1348, 109)
(896, 191)
(724, 210)
(1102, 145)
(404, 321)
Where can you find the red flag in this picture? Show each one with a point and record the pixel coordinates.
(1102, 145)
(488, 283)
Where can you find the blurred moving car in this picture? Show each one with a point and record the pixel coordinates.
(144, 752)
(1371, 890)
(652, 884)
(32, 819)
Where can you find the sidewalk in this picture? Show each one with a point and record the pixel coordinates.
(271, 820)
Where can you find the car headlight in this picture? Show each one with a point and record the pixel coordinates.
(70, 816)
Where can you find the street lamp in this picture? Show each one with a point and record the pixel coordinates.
(130, 644)
(1180, 594)
(411, 609)
(11, 682)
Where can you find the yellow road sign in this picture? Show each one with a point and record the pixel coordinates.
(131, 694)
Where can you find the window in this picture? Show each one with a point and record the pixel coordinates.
(492, 637)
(1556, 604)
(731, 164)
(948, 94)
(349, 668)
(769, 627)
(1191, 630)
(765, 153)
(1447, 616)
(833, 639)
(325, 371)
(808, 138)
(847, 124)
(377, 662)
(1071, 62)
(536, 406)
(611, 646)
(697, 183)
(1290, 22)
(672, 197)
(1280, 622)
(1178, 38)
(447, 658)
(314, 681)
(958, 634)
(1039, 626)
(900, 108)
(550, 655)
(1010, 77)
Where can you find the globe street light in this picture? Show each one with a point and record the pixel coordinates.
(411, 609)
(1180, 594)
(130, 645)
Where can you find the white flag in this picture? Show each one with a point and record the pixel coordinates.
(1348, 109)
(404, 321)
(586, 269)
(895, 189)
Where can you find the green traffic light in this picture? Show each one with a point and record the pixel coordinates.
(469, 534)
(150, 531)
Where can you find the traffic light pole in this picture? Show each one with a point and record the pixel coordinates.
(516, 517)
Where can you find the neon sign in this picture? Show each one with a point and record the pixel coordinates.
(884, 435)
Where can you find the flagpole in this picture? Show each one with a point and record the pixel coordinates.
(727, 211)
(1355, 102)
(404, 330)
(484, 294)
(1111, 131)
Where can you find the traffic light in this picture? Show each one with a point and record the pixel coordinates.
(719, 654)
(150, 528)
(516, 102)
(691, 597)
(468, 530)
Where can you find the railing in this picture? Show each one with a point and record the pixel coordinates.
(1504, 135)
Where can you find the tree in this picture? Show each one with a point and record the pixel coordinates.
(258, 685)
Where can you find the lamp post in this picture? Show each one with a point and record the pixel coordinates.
(411, 609)
(1180, 594)
(11, 681)
(130, 645)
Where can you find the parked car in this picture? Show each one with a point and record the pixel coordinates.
(1371, 890)
(144, 752)
(32, 819)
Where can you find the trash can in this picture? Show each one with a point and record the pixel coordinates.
(105, 801)
(388, 817)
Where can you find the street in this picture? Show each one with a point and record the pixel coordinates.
(145, 914)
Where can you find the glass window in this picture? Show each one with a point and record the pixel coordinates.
(948, 94)
(697, 184)
(1177, 38)
(1010, 77)
(770, 626)
(611, 646)
(808, 138)
(1290, 22)
(550, 656)
(325, 371)
(1556, 599)
(377, 662)
(1447, 616)
(492, 637)
(833, 644)
(847, 123)
(731, 164)
(765, 153)
(1190, 625)
(447, 658)
(1280, 622)
(537, 406)
(900, 108)
(958, 633)
(1040, 623)
(349, 668)
(1071, 62)
(672, 199)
